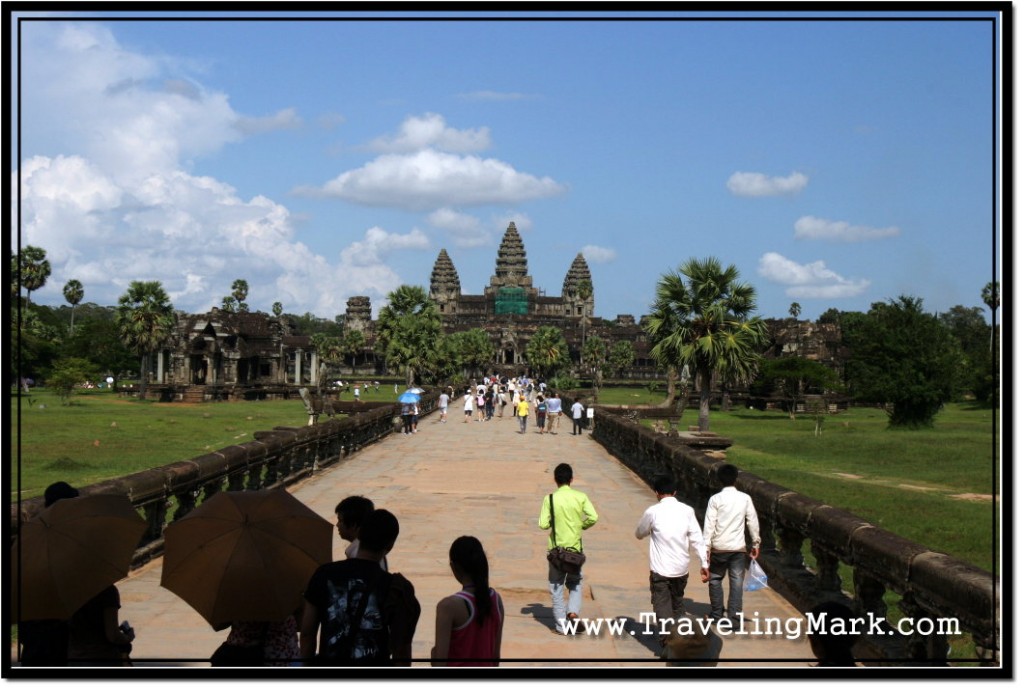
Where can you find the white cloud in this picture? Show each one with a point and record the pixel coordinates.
(287, 119)
(812, 280)
(431, 132)
(378, 244)
(760, 185)
(811, 228)
(432, 179)
(463, 229)
(598, 255)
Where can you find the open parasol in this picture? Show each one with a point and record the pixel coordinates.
(70, 552)
(245, 556)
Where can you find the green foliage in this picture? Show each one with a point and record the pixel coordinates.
(309, 324)
(547, 351)
(144, 320)
(968, 327)
(30, 269)
(408, 329)
(621, 356)
(701, 319)
(563, 382)
(352, 345)
(73, 293)
(239, 291)
(97, 340)
(903, 357)
(794, 377)
(829, 316)
(67, 374)
(472, 351)
(277, 308)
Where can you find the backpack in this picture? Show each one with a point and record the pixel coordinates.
(542, 407)
(372, 645)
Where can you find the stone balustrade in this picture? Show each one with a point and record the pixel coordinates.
(275, 458)
(934, 589)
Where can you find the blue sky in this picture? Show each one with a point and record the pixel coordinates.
(836, 163)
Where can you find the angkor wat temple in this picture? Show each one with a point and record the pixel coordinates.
(253, 354)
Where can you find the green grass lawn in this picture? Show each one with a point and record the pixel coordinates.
(932, 486)
(101, 435)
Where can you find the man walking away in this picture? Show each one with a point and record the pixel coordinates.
(577, 417)
(674, 531)
(554, 412)
(729, 515)
(573, 513)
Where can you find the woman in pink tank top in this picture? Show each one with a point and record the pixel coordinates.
(469, 623)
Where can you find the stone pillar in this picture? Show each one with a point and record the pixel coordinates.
(160, 367)
(298, 367)
(314, 372)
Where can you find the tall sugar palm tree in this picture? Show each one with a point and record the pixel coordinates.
(32, 269)
(144, 319)
(408, 330)
(73, 293)
(240, 291)
(701, 317)
(547, 351)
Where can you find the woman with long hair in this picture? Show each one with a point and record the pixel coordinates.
(469, 623)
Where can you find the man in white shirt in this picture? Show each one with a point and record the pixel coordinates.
(674, 531)
(729, 516)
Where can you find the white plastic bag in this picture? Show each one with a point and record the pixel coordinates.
(755, 578)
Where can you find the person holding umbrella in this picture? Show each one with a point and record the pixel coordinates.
(44, 642)
(64, 563)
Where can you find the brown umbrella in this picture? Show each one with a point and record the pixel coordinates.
(71, 551)
(245, 556)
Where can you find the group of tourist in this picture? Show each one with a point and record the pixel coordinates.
(488, 398)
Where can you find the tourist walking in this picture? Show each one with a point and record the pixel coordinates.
(469, 623)
(554, 404)
(565, 514)
(577, 417)
(540, 408)
(523, 414)
(729, 516)
(442, 405)
(407, 415)
(674, 531)
(468, 405)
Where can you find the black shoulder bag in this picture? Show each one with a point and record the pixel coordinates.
(564, 559)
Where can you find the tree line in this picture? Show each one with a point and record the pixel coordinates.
(702, 327)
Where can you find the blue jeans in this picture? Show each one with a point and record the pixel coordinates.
(558, 582)
(732, 563)
(522, 424)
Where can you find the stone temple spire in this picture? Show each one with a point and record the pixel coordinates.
(511, 264)
(576, 304)
(445, 287)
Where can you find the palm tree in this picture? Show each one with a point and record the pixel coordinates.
(701, 318)
(277, 309)
(32, 269)
(144, 319)
(73, 293)
(239, 291)
(547, 351)
(408, 329)
(990, 296)
(794, 310)
(595, 354)
(352, 345)
(585, 289)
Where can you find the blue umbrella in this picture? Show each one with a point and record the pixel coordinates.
(409, 397)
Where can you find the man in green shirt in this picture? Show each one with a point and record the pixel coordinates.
(573, 514)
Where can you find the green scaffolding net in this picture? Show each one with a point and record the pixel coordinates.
(510, 301)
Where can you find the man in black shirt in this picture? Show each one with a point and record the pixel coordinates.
(364, 615)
